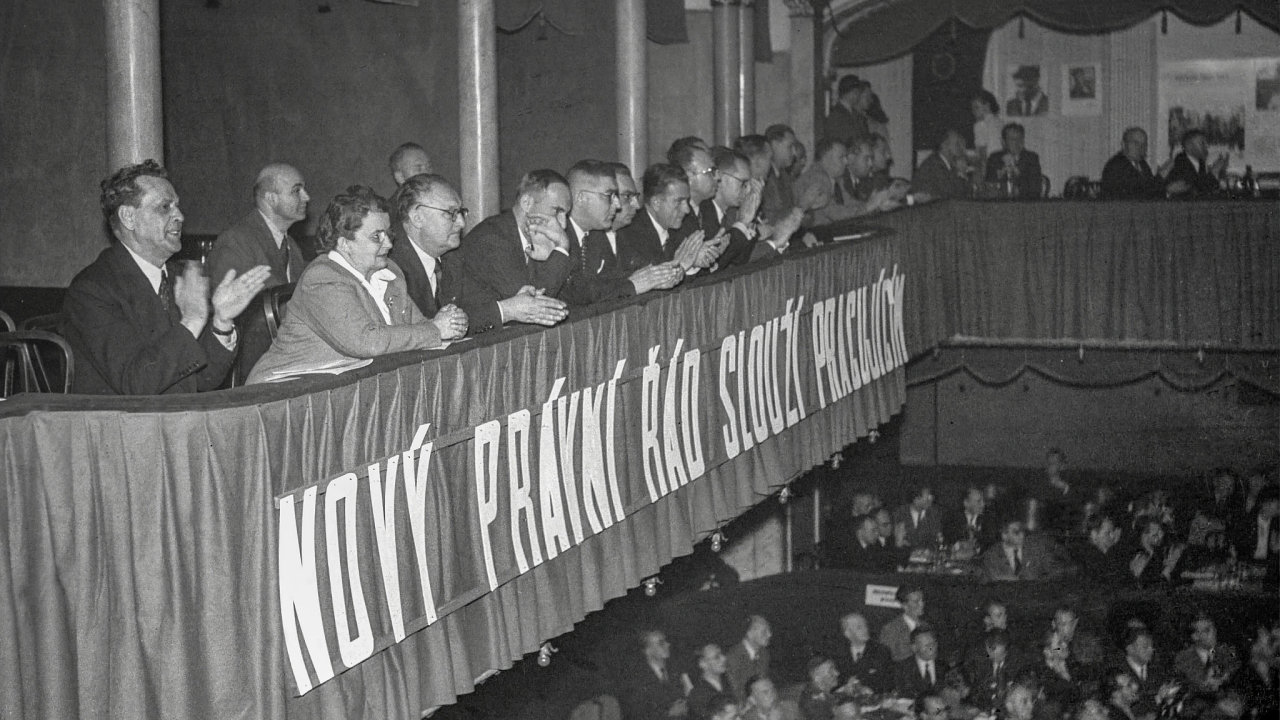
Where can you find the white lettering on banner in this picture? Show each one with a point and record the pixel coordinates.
(300, 591)
(563, 486)
(486, 474)
(353, 648)
(728, 429)
(882, 596)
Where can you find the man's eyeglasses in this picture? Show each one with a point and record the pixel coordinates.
(629, 197)
(454, 214)
(612, 195)
(707, 171)
(735, 177)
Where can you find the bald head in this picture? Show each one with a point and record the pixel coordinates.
(408, 160)
(281, 194)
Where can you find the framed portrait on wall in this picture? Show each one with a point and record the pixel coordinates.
(1025, 97)
(1082, 89)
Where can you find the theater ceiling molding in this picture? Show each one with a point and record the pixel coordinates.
(873, 31)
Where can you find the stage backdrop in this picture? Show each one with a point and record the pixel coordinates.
(372, 545)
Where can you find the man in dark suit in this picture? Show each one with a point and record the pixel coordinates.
(750, 657)
(526, 246)
(734, 207)
(1127, 176)
(917, 524)
(700, 169)
(862, 661)
(709, 682)
(1029, 99)
(1257, 537)
(1100, 561)
(847, 119)
(970, 522)
(919, 674)
(896, 634)
(990, 668)
(593, 187)
(1021, 557)
(262, 238)
(1192, 175)
(864, 553)
(1139, 662)
(135, 329)
(600, 250)
(1015, 166)
(653, 692)
(650, 239)
(940, 176)
(427, 228)
(408, 160)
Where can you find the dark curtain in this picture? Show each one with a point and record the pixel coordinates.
(895, 28)
(946, 73)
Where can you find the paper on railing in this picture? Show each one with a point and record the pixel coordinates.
(332, 367)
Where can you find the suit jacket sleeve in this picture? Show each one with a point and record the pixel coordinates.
(336, 309)
(495, 258)
(133, 346)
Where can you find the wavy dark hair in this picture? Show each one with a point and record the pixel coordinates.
(122, 188)
(346, 213)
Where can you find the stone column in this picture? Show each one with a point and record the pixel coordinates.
(804, 72)
(633, 85)
(135, 126)
(725, 70)
(747, 67)
(478, 107)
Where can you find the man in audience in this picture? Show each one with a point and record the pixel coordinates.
(1139, 662)
(600, 250)
(1257, 538)
(863, 194)
(866, 553)
(1192, 175)
(941, 176)
(703, 183)
(1099, 560)
(1206, 665)
(1017, 168)
(817, 698)
(526, 246)
(763, 703)
(1020, 557)
(649, 239)
(408, 160)
(779, 194)
(862, 662)
(734, 207)
(593, 189)
(822, 180)
(133, 328)
(654, 693)
(709, 682)
(846, 120)
(427, 229)
(896, 634)
(722, 707)
(919, 673)
(679, 145)
(990, 671)
(1127, 176)
(864, 503)
(1122, 695)
(970, 524)
(1021, 699)
(756, 149)
(262, 238)
(884, 527)
(931, 706)
(750, 657)
(917, 524)
(1085, 647)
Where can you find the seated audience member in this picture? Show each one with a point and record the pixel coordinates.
(865, 503)
(653, 692)
(700, 170)
(957, 695)
(862, 662)
(882, 167)
(1257, 538)
(847, 120)
(1140, 663)
(709, 682)
(1191, 174)
(991, 672)
(135, 328)
(1019, 556)
(1015, 167)
(351, 301)
(734, 207)
(1221, 503)
(1060, 676)
(800, 163)
(262, 238)
(760, 158)
(919, 673)
(779, 195)
(593, 189)
(865, 553)
(722, 707)
(750, 656)
(896, 634)
(426, 229)
(1100, 559)
(1086, 647)
(650, 239)
(1153, 561)
(970, 523)
(1127, 176)
(822, 182)
(525, 248)
(884, 527)
(995, 616)
(1206, 665)
(600, 251)
(1122, 696)
(817, 699)
(762, 702)
(942, 175)
(408, 160)
(917, 524)
(1061, 501)
(931, 705)
(680, 144)
(1022, 699)
(864, 192)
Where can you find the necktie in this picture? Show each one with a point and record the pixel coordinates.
(662, 673)
(435, 281)
(856, 656)
(839, 194)
(284, 258)
(1017, 562)
(1142, 673)
(165, 292)
(928, 673)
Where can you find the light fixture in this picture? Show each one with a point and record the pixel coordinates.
(717, 541)
(544, 654)
(784, 495)
(651, 585)
(873, 436)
